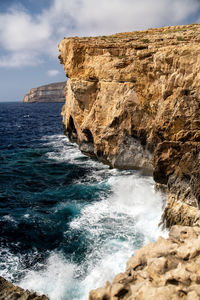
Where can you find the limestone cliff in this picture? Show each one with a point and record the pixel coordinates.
(164, 270)
(53, 92)
(8, 291)
(133, 100)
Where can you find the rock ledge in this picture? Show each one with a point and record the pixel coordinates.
(166, 269)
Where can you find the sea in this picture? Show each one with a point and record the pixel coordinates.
(68, 223)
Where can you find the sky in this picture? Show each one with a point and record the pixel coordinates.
(30, 31)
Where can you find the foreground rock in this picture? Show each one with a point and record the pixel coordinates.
(166, 269)
(133, 101)
(8, 291)
(53, 92)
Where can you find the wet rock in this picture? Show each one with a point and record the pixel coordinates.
(8, 291)
(166, 269)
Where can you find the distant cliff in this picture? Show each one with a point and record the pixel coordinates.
(53, 92)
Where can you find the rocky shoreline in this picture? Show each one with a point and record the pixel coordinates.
(8, 291)
(53, 92)
(166, 269)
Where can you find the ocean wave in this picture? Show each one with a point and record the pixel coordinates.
(68, 223)
(115, 227)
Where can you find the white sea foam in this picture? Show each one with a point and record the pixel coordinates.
(62, 149)
(8, 218)
(26, 216)
(115, 227)
(9, 264)
(127, 219)
(55, 280)
(65, 151)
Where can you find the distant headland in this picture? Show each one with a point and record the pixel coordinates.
(53, 92)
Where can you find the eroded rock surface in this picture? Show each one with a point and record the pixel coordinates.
(166, 269)
(133, 101)
(8, 291)
(53, 92)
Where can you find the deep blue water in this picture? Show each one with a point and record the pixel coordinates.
(65, 219)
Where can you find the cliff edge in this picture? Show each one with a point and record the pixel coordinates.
(133, 100)
(53, 92)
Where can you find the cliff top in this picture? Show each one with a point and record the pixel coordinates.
(54, 86)
(152, 33)
(74, 51)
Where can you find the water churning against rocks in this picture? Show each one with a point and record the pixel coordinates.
(67, 223)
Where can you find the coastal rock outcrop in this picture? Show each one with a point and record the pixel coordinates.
(133, 101)
(53, 92)
(8, 291)
(166, 269)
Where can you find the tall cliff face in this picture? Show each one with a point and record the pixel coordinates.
(133, 100)
(53, 92)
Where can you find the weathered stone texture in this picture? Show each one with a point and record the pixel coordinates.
(166, 269)
(133, 101)
(8, 291)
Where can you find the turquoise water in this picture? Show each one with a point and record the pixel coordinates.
(67, 223)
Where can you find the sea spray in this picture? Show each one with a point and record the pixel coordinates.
(68, 223)
(114, 226)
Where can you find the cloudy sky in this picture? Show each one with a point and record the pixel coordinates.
(30, 31)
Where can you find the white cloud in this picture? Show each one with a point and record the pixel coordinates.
(52, 73)
(19, 59)
(19, 31)
(27, 38)
(104, 17)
